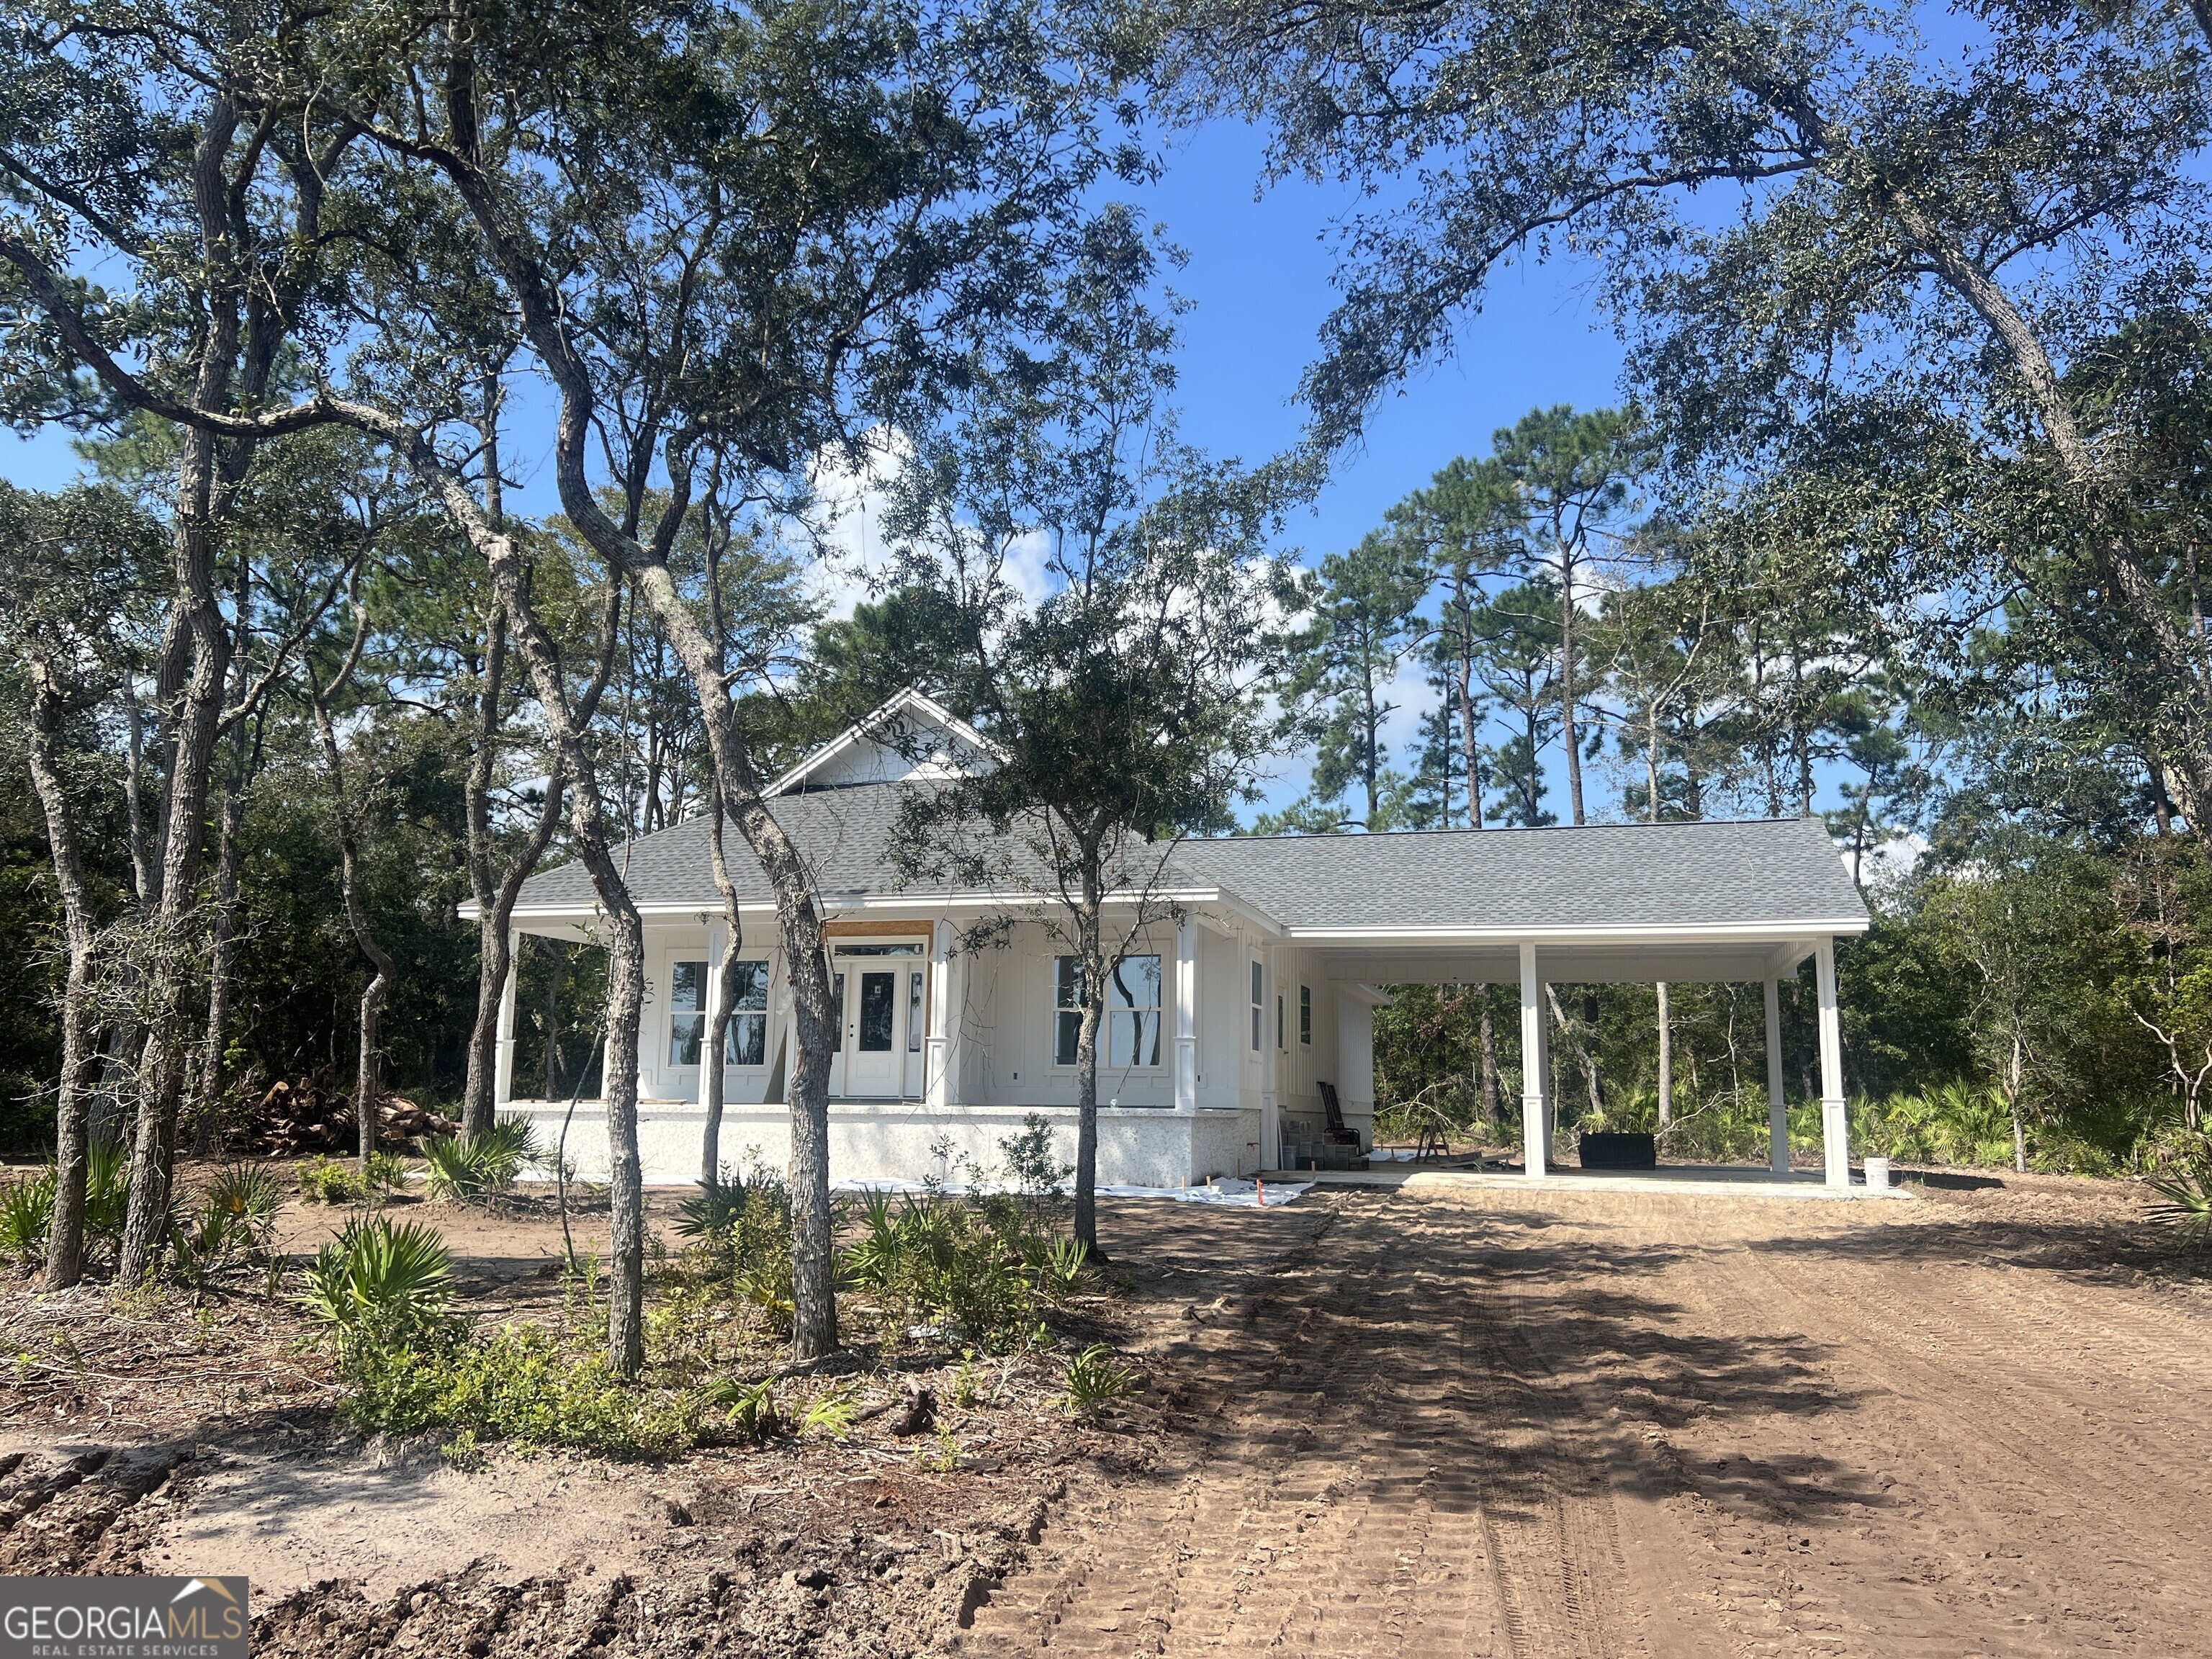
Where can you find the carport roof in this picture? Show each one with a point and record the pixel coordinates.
(1626, 876)
(1779, 875)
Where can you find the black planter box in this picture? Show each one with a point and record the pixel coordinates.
(1619, 1151)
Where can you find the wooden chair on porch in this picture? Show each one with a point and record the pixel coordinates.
(1338, 1134)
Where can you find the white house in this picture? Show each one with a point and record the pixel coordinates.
(1225, 1019)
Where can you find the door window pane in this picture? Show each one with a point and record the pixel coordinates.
(914, 1021)
(877, 1011)
(687, 1016)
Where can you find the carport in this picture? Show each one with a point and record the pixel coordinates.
(1679, 903)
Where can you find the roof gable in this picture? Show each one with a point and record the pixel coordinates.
(909, 739)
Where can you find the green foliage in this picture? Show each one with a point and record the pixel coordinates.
(26, 1211)
(520, 1384)
(968, 1264)
(483, 1167)
(1065, 1269)
(386, 1172)
(326, 1180)
(389, 1283)
(1032, 1166)
(1096, 1379)
(832, 1411)
(751, 1407)
(2188, 1205)
(712, 1212)
(233, 1223)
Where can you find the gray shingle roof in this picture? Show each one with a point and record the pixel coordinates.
(1600, 876)
(1624, 875)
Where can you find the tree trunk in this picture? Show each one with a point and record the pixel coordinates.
(1092, 958)
(726, 991)
(194, 669)
(207, 1089)
(495, 891)
(1665, 1060)
(65, 1235)
(1487, 1067)
(1572, 1032)
(366, 1085)
(1568, 732)
(1468, 740)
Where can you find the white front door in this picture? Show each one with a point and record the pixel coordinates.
(880, 989)
(875, 1059)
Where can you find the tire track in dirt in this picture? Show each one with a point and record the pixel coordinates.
(1431, 1508)
(1969, 1397)
(1480, 1424)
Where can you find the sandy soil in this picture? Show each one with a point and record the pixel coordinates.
(1453, 1423)
(1466, 1425)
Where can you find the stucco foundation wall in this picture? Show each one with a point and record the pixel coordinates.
(1136, 1148)
(1225, 1144)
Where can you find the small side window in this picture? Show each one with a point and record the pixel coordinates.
(1306, 1014)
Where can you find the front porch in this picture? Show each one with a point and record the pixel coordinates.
(911, 1140)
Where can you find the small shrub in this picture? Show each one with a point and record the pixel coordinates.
(712, 1212)
(2188, 1205)
(752, 1411)
(233, 1223)
(1066, 1267)
(27, 1212)
(520, 1384)
(387, 1171)
(1096, 1378)
(832, 1411)
(1030, 1165)
(324, 1181)
(484, 1167)
(967, 1382)
(392, 1284)
(940, 1259)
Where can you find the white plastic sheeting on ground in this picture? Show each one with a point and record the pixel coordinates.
(1234, 1194)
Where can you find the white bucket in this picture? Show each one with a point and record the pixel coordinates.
(1877, 1174)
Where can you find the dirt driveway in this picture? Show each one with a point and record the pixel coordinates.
(1463, 1425)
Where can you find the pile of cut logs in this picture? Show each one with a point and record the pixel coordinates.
(295, 1119)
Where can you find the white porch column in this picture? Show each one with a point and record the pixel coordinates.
(1778, 1110)
(718, 942)
(1270, 1132)
(1186, 1013)
(941, 1075)
(1535, 1068)
(502, 1065)
(1834, 1130)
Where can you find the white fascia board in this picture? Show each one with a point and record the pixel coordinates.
(864, 729)
(1373, 996)
(1793, 929)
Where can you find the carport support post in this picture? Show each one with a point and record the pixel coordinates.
(1777, 1109)
(1835, 1132)
(1535, 1068)
(503, 1064)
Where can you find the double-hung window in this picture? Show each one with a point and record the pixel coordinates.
(686, 1011)
(1131, 1014)
(748, 1016)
